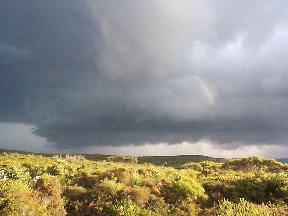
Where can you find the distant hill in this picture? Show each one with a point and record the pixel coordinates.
(16, 151)
(174, 161)
(283, 160)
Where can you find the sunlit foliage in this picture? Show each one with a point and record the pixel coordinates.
(72, 185)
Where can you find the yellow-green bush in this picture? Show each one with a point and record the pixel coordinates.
(243, 208)
(17, 199)
(50, 194)
(187, 187)
(42, 185)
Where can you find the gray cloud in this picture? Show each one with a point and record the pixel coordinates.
(9, 53)
(95, 73)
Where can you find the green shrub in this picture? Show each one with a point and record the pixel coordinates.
(126, 207)
(123, 159)
(243, 208)
(123, 187)
(187, 188)
(50, 190)
(110, 186)
(255, 163)
(140, 195)
(75, 197)
(75, 192)
(17, 199)
(87, 180)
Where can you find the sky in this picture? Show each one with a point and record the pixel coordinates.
(145, 77)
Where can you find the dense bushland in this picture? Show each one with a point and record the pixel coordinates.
(72, 185)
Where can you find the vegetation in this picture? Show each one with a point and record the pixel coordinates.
(119, 185)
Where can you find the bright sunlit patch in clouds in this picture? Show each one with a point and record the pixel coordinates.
(20, 137)
(203, 147)
(16, 136)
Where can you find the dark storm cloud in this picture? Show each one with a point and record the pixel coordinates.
(134, 72)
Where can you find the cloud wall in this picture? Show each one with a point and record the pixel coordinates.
(106, 73)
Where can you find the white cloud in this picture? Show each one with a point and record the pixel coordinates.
(15, 136)
(203, 147)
